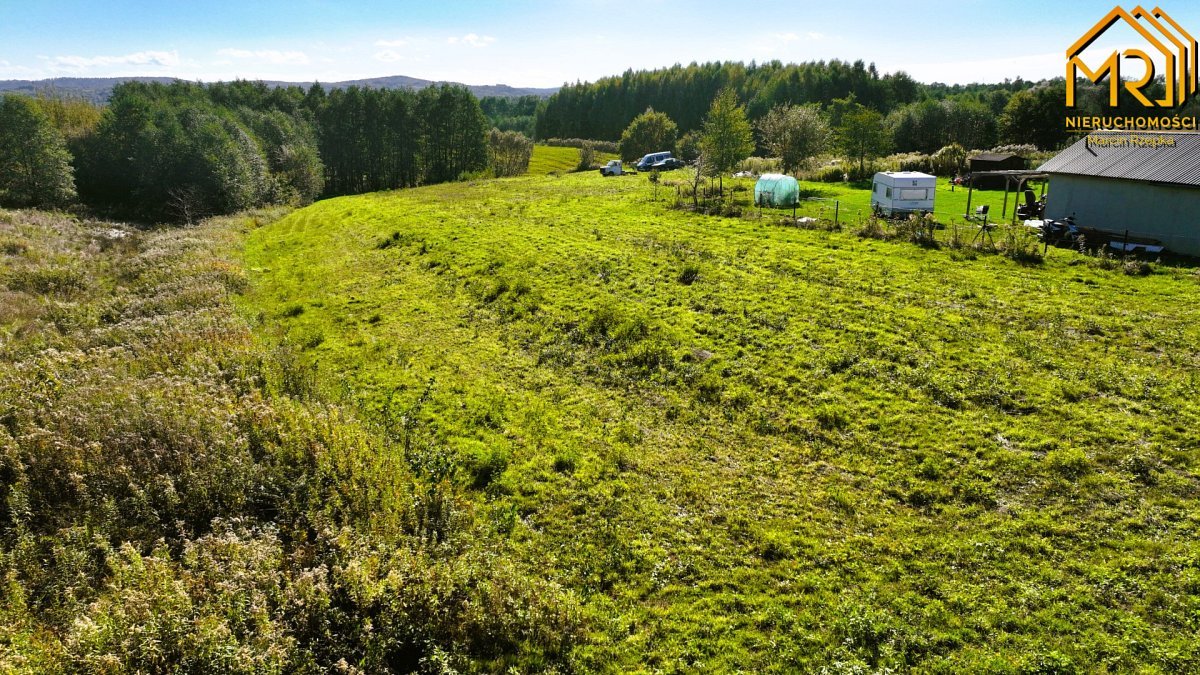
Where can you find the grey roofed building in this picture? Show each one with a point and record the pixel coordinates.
(1146, 183)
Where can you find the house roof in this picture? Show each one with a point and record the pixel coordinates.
(993, 156)
(1157, 157)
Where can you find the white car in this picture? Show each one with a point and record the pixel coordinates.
(613, 168)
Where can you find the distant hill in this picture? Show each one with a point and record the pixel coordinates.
(405, 82)
(98, 89)
(95, 89)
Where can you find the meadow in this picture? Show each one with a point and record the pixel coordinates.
(729, 443)
(552, 159)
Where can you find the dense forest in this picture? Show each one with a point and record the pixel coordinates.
(920, 117)
(512, 113)
(182, 151)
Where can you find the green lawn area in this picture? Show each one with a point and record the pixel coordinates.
(949, 204)
(818, 199)
(751, 447)
(547, 159)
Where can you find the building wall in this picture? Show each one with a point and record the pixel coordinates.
(1168, 213)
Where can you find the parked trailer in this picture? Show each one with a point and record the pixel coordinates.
(898, 193)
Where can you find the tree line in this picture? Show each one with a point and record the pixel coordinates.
(917, 117)
(183, 150)
(601, 110)
(512, 113)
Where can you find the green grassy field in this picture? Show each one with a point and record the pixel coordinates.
(744, 446)
(949, 205)
(854, 202)
(547, 159)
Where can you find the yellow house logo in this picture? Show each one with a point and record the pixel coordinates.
(1164, 38)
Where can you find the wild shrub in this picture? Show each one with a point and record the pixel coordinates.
(760, 165)
(566, 461)
(1143, 466)
(840, 499)
(611, 326)
(872, 228)
(1137, 268)
(61, 280)
(1019, 243)
(913, 161)
(709, 388)
(955, 241)
(649, 132)
(209, 611)
(689, 274)
(288, 374)
(832, 417)
(917, 228)
(1101, 259)
(974, 491)
(863, 174)
(647, 357)
(394, 239)
(13, 247)
(949, 160)
(600, 146)
(1068, 462)
(587, 157)
(1048, 663)
(688, 147)
(931, 468)
(772, 545)
(867, 633)
(1022, 149)
(483, 462)
(833, 173)
(509, 152)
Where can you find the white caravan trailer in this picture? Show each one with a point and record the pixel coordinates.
(895, 193)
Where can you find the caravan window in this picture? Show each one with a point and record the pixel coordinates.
(889, 193)
(914, 194)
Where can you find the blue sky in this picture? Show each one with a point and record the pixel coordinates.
(534, 43)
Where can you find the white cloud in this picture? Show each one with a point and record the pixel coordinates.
(787, 37)
(814, 35)
(391, 43)
(272, 56)
(472, 40)
(389, 56)
(149, 58)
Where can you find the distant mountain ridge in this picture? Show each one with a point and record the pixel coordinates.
(98, 89)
